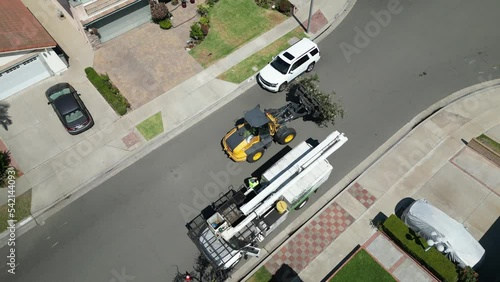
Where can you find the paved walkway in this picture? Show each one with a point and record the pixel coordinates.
(154, 61)
(395, 261)
(430, 161)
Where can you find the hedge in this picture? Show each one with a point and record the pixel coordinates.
(108, 91)
(433, 260)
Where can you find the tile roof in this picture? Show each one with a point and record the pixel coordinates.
(19, 29)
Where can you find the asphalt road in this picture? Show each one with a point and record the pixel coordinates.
(133, 224)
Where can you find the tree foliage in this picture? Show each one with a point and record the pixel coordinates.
(4, 165)
(159, 11)
(5, 120)
(468, 275)
(330, 107)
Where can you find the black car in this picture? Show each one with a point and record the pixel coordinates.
(69, 108)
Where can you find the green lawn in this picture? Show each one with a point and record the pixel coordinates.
(245, 69)
(151, 127)
(233, 23)
(362, 267)
(262, 275)
(22, 210)
(492, 144)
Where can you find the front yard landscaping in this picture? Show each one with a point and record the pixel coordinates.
(107, 89)
(151, 127)
(415, 246)
(262, 275)
(232, 24)
(257, 61)
(362, 267)
(490, 143)
(22, 210)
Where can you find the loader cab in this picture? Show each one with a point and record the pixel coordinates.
(247, 141)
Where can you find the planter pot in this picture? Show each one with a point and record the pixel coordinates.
(192, 1)
(184, 4)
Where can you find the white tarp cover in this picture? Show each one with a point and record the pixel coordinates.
(459, 245)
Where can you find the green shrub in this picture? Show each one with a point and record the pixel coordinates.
(204, 20)
(205, 29)
(211, 3)
(468, 275)
(4, 166)
(203, 9)
(196, 32)
(108, 91)
(414, 245)
(166, 24)
(266, 4)
(159, 11)
(285, 7)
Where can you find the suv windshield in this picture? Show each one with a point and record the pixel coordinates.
(280, 65)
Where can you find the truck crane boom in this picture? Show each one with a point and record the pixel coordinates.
(259, 204)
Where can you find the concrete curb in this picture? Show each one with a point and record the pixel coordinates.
(361, 169)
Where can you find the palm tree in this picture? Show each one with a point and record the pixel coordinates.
(5, 120)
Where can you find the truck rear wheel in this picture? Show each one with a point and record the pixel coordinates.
(301, 205)
(255, 156)
(285, 135)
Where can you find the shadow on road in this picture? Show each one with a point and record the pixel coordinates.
(490, 241)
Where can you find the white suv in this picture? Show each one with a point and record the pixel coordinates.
(300, 57)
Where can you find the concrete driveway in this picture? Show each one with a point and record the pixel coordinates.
(148, 61)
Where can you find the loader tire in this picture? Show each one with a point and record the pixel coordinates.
(255, 156)
(285, 135)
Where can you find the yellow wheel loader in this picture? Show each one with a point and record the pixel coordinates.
(249, 139)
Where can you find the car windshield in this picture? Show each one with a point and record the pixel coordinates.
(73, 116)
(280, 65)
(57, 94)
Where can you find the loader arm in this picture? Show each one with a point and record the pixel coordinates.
(307, 105)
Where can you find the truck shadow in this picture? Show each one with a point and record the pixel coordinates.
(488, 270)
(285, 274)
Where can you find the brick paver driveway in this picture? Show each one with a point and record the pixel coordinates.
(148, 61)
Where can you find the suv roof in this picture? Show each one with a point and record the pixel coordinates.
(298, 49)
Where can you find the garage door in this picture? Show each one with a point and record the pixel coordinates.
(21, 76)
(123, 20)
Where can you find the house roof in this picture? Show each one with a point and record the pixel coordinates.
(20, 30)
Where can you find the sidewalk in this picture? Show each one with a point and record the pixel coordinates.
(430, 161)
(52, 170)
